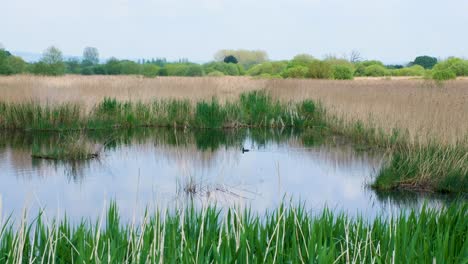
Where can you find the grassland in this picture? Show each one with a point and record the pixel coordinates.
(422, 125)
(285, 235)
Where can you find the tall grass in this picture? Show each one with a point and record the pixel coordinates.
(285, 235)
(253, 109)
(426, 168)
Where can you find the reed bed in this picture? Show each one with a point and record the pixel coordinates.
(208, 235)
(253, 109)
(425, 109)
(423, 125)
(412, 165)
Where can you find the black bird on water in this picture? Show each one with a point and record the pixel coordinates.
(245, 150)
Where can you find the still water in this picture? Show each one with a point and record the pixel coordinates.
(164, 168)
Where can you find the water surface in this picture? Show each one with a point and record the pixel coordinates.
(166, 168)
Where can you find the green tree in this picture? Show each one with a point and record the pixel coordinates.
(343, 72)
(320, 70)
(90, 56)
(51, 63)
(426, 61)
(150, 70)
(268, 68)
(295, 72)
(129, 67)
(375, 70)
(113, 66)
(247, 58)
(4, 66)
(302, 60)
(73, 66)
(16, 64)
(230, 59)
(225, 68)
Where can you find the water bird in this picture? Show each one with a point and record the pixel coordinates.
(245, 150)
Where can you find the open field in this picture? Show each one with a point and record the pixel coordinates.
(425, 109)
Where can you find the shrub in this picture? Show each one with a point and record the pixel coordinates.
(87, 71)
(113, 66)
(375, 71)
(456, 65)
(361, 66)
(41, 68)
(184, 69)
(296, 72)
(194, 70)
(343, 72)
(215, 74)
(443, 75)
(320, 70)
(225, 68)
(271, 68)
(129, 67)
(150, 70)
(302, 60)
(415, 70)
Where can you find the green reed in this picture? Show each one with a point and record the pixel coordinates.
(209, 235)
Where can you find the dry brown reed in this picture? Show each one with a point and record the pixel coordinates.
(426, 109)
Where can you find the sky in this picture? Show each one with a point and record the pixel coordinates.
(387, 30)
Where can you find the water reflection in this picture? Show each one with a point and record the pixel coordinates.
(167, 168)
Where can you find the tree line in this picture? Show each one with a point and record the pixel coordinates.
(233, 63)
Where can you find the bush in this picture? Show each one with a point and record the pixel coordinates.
(320, 70)
(113, 66)
(87, 71)
(415, 70)
(150, 70)
(129, 67)
(184, 69)
(270, 68)
(361, 66)
(455, 65)
(296, 72)
(302, 60)
(443, 75)
(375, 71)
(42, 68)
(225, 68)
(194, 70)
(215, 74)
(11, 64)
(343, 72)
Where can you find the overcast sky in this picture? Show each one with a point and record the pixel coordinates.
(388, 30)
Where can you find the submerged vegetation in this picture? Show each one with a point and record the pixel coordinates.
(416, 166)
(285, 235)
